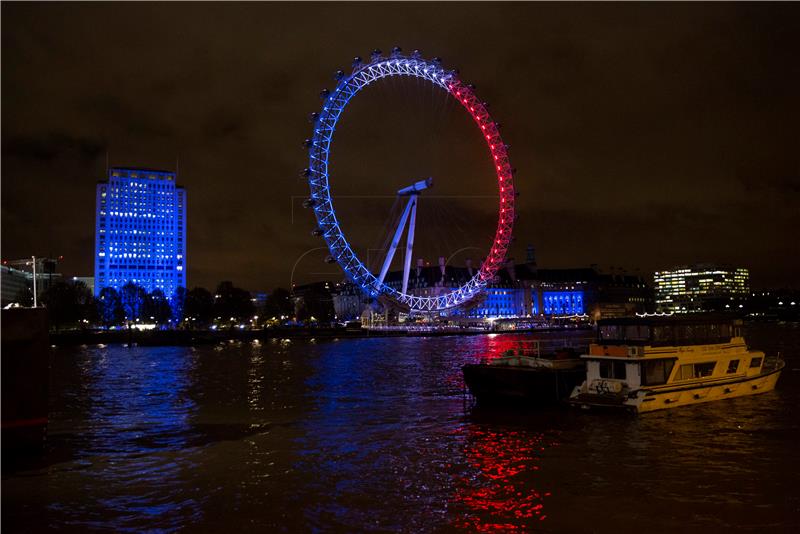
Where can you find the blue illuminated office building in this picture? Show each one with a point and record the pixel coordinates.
(140, 233)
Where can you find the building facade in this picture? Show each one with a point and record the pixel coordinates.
(518, 291)
(140, 233)
(700, 287)
(17, 284)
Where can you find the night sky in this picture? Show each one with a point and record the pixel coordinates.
(645, 136)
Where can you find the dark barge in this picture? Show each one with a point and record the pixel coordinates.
(527, 374)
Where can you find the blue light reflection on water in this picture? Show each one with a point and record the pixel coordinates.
(132, 443)
(373, 434)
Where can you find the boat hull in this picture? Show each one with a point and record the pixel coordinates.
(673, 397)
(495, 384)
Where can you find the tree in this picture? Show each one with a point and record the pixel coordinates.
(179, 304)
(67, 303)
(199, 306)
(156, 307)
(232, 302)
(109, 306)
(314, 302)
(133, 299)
(59, 301)
(279, 303)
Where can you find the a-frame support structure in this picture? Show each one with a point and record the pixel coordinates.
(409, 216)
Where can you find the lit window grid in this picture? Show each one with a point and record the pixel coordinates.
(673, 288)
(140, 231)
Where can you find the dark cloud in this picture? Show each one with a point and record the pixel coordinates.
(645, 134)
(48, 147)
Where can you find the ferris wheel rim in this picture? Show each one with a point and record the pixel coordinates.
(319, 151)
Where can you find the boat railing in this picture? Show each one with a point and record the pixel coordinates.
(772, 362)
(543, 347)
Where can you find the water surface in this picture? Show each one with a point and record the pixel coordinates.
(377, 435)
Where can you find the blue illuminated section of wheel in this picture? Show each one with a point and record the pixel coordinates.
(319, 146)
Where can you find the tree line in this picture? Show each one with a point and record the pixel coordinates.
(71, 304)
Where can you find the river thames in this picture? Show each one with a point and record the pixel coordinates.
(376, 434)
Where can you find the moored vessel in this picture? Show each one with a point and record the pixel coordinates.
(529, 372)
(653, 363)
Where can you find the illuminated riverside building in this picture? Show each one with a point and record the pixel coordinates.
(700, 287)
(140, 233)
(518, 291)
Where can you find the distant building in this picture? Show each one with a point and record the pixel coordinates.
(140, 233)
(348, 301)
(700, 287)
(314, 302)
(16, 283)
(558, 292)
(517, 291)
(259, 300)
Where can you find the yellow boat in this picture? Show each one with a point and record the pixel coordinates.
(652, 363)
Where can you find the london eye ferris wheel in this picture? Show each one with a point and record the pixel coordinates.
(318, 173)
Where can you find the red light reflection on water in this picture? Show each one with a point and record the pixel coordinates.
(499, 493)
(497, 346)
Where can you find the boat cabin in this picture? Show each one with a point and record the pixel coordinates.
(631, 353)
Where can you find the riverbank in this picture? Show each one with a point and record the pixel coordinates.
(210, 337)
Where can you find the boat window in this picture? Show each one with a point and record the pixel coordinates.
(663, 334)
(658, 333)
(713, 331)
(619, 369)
(610, 331)
(725, 331)
(637, 332)
(612, 369)
(733, 366)
(704, 369)
(697, 370)
(755, 362)
(656, 372)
